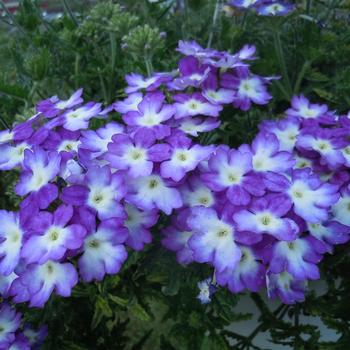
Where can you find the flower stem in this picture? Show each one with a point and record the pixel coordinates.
(215, 19)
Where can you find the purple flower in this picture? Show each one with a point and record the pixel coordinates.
(311, 198)
(96, 142)
(249, 273)
(35, 337)
(266, 154)
(275, 9)
(21, 343)
(103, 252)
(9, 323)
(177, 236)
(213, 239)
(286, 287)
(39, 168)
(151, 192)
(77, 119)
(326, 143)
(12, 156)
(206, 290)
(231, 170)
(249, 88)
(193, 126)
(37, 282)
(136, 155)
(53, 106)
(51, 236)
(6, 136)
(151, 114)
(138, 224)
(302, 108)
(191, 48)
(5, 284)
(214, 94)
(138, 82)
(341, 209)
(194, 104)
(265, 215)
(192, 73)
(195, 193)
(184, 157)
(100, 191)
(244, 3)
(11, 234)
(329, 234)
(129, 104)
(286, 131)
(297, 257)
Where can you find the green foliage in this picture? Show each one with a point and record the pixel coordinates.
(152, 303)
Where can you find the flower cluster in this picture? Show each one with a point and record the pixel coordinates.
(264, 7)
(88, 195)
(265, 214)
(13, 336)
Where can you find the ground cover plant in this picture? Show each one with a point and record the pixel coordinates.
(215, 154)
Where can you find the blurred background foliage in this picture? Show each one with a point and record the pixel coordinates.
(151, 304)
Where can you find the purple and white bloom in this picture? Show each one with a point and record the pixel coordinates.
(100, 191)
(329, 234)
(312, 198)
(10, 321)
(302, 108)
(151, 114)
(136, 155)
(138, 224)
(184, 158)
(249, 273)
(63, 141)
(231, 170)
(265, 215)
(153, 192)
(298, 257)
(275, 9)
(193, 126)
(194, 104)
(192, 48)
(20, 343)
(195, 193)
(129, 104)
(326, 143)
(53, 106)
(37, 282)
(213, 239)
(6, 136)
(267, 156)
(244, 3)
(138, 82)
(5, 284)
(39, 168)
(286, 130)
(103, 251)
(77, 119)
(177, 236)
(35, 337)
(214, 94)
(249, 88)
(51, 236)
(192, 73)
(206, 290)
(341, 209)
(285, 287)
(11, 235)
(302, 162)
(12, 156)
(97, 141)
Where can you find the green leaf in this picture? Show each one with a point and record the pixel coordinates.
(118, 300)
(140, 312)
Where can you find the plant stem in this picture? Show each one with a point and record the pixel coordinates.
(215, 19)
(70, 13)
(308, 6)
(282, 62)
(149, 67)
(4, 123)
